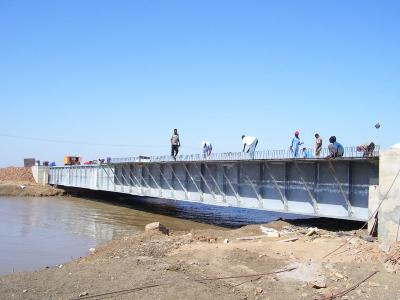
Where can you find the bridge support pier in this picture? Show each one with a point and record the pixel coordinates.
(389, 193)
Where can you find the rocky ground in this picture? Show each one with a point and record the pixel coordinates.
(15, 181)
(276, 261)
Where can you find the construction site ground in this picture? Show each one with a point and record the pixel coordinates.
(279, 260)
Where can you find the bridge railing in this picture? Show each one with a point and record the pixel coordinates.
(349, 152)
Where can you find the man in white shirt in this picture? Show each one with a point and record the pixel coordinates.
(207, 148)
(249, 144)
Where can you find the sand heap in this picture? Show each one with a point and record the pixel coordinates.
(16, 174)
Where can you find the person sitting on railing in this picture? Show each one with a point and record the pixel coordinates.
(296, 143)
(207, 148)
(367, 149)
(249, 144)
(335, 148)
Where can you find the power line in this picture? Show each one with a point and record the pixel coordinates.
(76, 142)
(45, 140)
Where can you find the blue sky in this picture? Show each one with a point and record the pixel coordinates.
(113, 78)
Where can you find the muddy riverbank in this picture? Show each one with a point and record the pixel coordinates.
(28, 190)
(210, 264)
(18, 181)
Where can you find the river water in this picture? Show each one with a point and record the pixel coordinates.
(47, 231)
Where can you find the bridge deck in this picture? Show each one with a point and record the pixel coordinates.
(337, 188)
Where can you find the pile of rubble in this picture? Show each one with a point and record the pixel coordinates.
(392, 262)
(15, 174)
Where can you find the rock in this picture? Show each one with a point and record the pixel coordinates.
(92, 249)
(259, 290)
(320, 283)
(367, 238)
(24, 291)
(328, 295)
(83, 294)
(156, 227)
(226, 241)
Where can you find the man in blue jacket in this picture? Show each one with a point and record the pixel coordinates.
(296, 143)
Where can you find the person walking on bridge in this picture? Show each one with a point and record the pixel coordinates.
(175, 144)
(249, 144)
(296, 143)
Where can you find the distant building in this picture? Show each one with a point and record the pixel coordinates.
(29, 162)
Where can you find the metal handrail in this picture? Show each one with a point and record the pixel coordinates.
(349, 152)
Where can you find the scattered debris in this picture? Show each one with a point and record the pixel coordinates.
(328, 295)
(251, 238)
(340, 295)
(339, 276)
(320, 283)
(83, 294)
(392, 262)
(367, 238)
(289, 240)
(312, 231)
(270, 232)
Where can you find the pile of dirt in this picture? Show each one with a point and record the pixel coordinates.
(17, 181)
(16, 174)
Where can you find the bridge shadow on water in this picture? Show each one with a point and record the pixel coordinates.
(229, 217)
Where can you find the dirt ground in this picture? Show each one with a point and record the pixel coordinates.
(221, 264)
(16, 181)
(16, 174)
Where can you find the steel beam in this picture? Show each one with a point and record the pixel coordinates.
(283, 196)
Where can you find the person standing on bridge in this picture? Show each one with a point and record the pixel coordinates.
(207, 148)
(249, 144)
(318, 145)
(175, 144)
(296, 143)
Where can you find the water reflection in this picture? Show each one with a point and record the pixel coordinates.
(36, 232)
